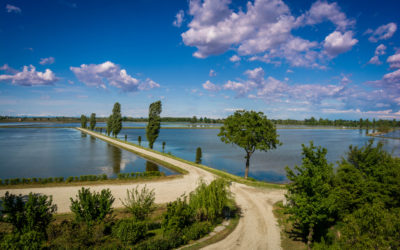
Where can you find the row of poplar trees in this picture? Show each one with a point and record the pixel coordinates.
(114, 122)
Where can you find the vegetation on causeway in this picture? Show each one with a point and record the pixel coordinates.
(251, 131)
(154, 123)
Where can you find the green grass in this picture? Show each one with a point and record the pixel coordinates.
(92, 183)
(217, 172)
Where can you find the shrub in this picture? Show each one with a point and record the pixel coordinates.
(90, 207)
(130, 231)
(139, 203)
(197, 230)
(209, 201)
(178, 216)
(6, 181)
(69, 179)
(34, 180)
(33, 215)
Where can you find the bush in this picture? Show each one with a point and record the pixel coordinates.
(33, 215)
(178, 216)
(130, 231)
(139, 203)
(209, 201)
(69, 179)
(90, 207)
(29, 240)
(197, 230)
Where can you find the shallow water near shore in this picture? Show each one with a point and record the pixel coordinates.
(63, 152)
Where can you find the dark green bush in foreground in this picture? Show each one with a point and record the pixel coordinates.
(92, 207)
(139, 203)
(130, 231)
(30, 216)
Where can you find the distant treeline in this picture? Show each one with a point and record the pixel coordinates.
(365, 124)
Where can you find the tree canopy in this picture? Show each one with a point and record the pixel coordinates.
(251, 131)
(92, 121)
(83, 121)
(154, 124)
(116, 119)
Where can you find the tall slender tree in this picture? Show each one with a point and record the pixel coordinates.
(116, 119)
(92, 121)
(154, 124)
(198, 155)
(83, 121)
(109, 125)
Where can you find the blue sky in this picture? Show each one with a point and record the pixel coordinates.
(288, 59)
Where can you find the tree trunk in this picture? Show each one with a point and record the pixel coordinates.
(246, 172)
(309, 237)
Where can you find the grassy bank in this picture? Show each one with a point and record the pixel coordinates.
(217, 172)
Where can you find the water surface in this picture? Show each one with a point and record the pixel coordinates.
(49, 152)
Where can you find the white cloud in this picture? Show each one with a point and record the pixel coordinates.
(30, 77)
(383, 32)
(380, 50)
(212, 73)
(47, 60)
(11, 8)
(264, 27)
(338, 42)
(94, 75)
(210, 86)
(8, 69)
(394, 60)
(234, 58)
(179, 19)
(321, 11)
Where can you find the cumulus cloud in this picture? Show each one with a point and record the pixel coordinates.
(263, 28)
(210, 86)
(94, 75)
(383, 32)
(47, 60)
(179, 19)
(234, 58)
(338, 42)
(29, 77)
(8, 69)
(11, 8)
(321, 11)
(380, 50)
(394, 60)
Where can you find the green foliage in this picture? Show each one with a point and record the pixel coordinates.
(209, 201)
(163, 146)
(92, 207)
(28, 240)
(308, 201)
(130, 231)
(251, 131)
(109, 125)
(197, 230)
(116, 119)
(198, 155)
(178, 216)
(154, 123)
(139, 140)
(139, 203)
(83, 121)
(34, 214)
(92, 121)
(371, 227)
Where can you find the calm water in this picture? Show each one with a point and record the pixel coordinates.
(100, 124)
(64, 152)
(268, 166)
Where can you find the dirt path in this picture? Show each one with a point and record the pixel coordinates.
(257, 229)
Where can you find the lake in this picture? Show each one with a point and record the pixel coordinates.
(51, 152)
(268, 166)
(43, 152)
